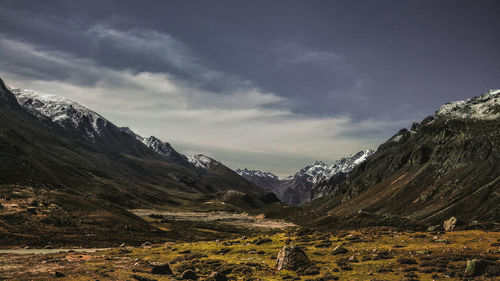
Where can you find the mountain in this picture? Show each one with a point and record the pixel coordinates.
(301, 187)
(58, 152)
(266, 180)
(447, 165)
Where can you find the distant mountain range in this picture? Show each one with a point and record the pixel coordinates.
(302, 186)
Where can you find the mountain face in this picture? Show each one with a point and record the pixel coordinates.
(301, 186)
(447, 165)
(61, 151)
(91, 127)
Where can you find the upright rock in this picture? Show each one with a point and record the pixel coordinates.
(449, 225)
(292, 258)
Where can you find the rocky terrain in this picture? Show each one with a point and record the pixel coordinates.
(368, 254)
(307, 184)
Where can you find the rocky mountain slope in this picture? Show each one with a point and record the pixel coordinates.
(446, 165)
(301, 186)
(58, 152)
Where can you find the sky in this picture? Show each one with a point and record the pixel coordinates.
(268, 85)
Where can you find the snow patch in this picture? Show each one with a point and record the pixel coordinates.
(201, 161)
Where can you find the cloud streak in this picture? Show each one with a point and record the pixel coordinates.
(241, 124)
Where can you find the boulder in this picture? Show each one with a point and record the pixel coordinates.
(163, 269)
(474, 267)
(449, 225)
(189, 275)
(339, 250)
(292, 258)
(142, 278)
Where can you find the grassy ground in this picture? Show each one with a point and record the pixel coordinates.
(373, 254)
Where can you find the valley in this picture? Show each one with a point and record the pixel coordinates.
(84, 199)
(365, 254)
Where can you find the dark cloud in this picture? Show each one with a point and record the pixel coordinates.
(364, 60)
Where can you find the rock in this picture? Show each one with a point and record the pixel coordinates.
(142, 278)
(49, 247)
(163, 269)
(122, 245)
(146, 244)
(31, 210)
(59, 274)
(449, 225)
(189, 275)
(217, 276)
(339, 250)
(406, 261)
(292, 258)
(474, 267)
(261, 241)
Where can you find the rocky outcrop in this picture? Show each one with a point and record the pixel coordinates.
(450, 224)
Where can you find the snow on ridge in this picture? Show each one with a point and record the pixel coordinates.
(484, 107)
(256, 173)
(59, 109)
(319, 171)
(201, 161)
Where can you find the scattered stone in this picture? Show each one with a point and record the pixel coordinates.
(407, 261)
(309, 270)
(142, 278)
(339, 250)
(59, 274)
(222, 251)
(189, 275)
(261, 241)
(163, 269)
(292, 258)
(31, 210)
(474, 267)
(449, 225)
(217, 276)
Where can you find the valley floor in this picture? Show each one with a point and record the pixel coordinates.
(372, 254)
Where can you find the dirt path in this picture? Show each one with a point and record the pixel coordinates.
(237, 219)
(50, 251)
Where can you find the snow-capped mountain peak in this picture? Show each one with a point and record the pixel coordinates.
(486, 107)
(256, 173)
(61, 110)
(320, 171)
(294, 189)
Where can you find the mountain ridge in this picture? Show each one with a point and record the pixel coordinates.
(296, 189)
(446, 165)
